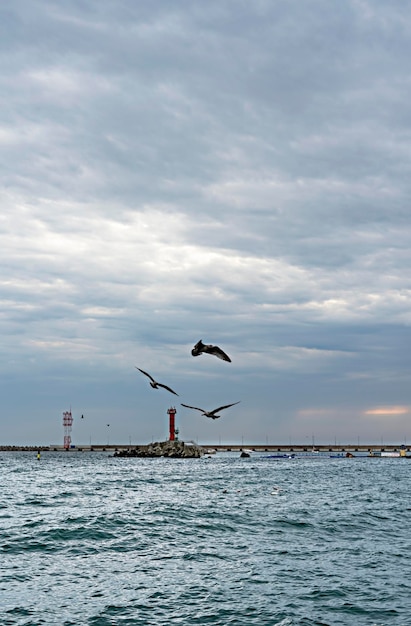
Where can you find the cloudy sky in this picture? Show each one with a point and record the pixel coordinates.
(232, 171)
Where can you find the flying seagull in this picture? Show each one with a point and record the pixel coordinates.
(209, 349)
(211, 414)
(154, 384)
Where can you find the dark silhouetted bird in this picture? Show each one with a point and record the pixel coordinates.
(201, 347)
(211, 414)
(154, 384)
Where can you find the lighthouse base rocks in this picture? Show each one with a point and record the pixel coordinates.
(171, 449)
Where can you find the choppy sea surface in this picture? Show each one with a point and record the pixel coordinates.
(87, 538)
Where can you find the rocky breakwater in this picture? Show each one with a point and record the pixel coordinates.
(170, 449)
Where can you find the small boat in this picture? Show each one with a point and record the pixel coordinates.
(245, 453)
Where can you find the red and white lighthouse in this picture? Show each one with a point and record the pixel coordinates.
(172, 413)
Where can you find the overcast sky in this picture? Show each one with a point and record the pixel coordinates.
(232, 171)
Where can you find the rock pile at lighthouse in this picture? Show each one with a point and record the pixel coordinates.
(170, 449)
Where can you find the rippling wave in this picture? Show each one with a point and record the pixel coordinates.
(91, 539)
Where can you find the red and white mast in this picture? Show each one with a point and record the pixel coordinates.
(67, 424)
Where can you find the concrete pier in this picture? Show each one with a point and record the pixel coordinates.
(272, 448)
(300, 448)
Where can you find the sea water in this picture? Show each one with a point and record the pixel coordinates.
(88, 538)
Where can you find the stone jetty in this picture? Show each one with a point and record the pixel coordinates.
(170, 449)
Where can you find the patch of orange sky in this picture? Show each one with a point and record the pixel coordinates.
(388, 410)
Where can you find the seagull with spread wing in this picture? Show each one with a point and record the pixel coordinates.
(211, 414)
(154, 384)
(201, 347)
